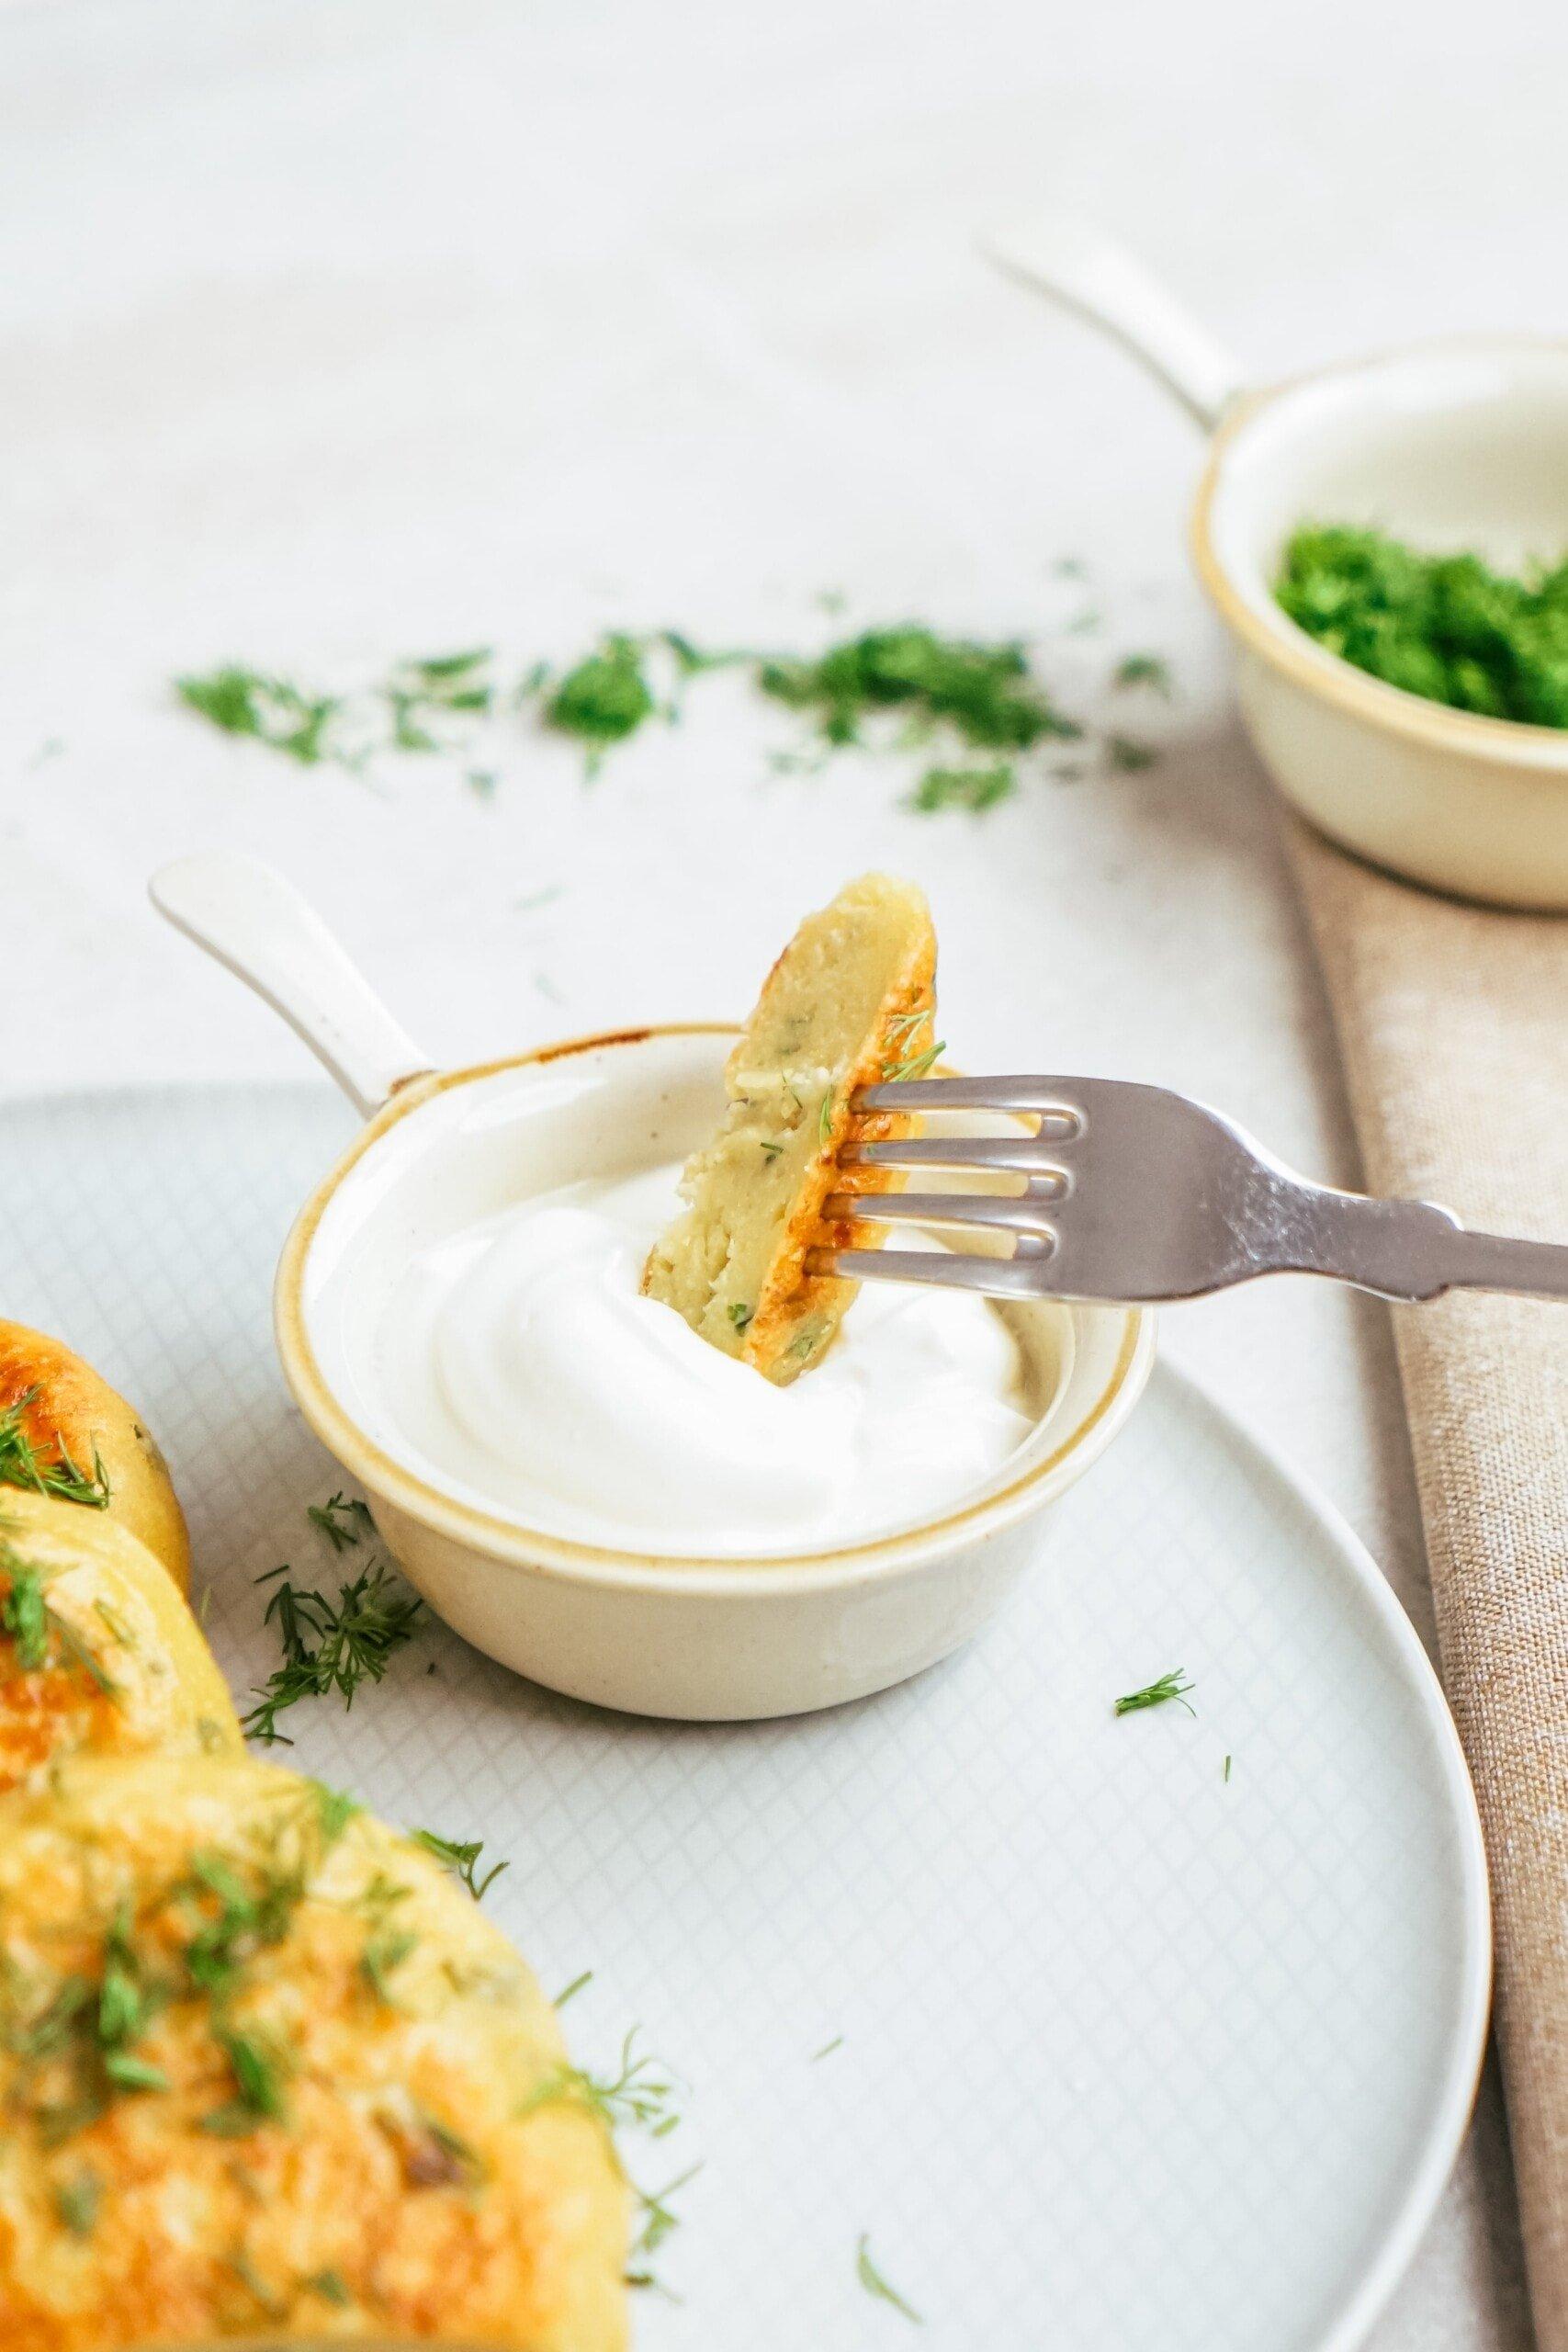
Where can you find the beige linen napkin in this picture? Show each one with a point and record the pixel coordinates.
(1453, 1024)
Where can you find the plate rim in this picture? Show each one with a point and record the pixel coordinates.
(1369, 2288)
(1369, 2291)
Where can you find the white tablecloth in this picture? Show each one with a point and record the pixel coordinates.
(335, 330)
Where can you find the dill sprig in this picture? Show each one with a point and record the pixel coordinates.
(872, 2280)
(270, 710)
(985, 693)
(41, 1637)
(569, 1993)
(975, 789)
(1173, 1685)
(604, 698)
(49, 1469)
(344, 1520)
(914, 1065)
(261, 2066)
(1142, 669)
(330, 1645)
(1125, 752)
(461, 1858)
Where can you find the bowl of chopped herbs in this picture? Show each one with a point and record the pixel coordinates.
(1387, 542)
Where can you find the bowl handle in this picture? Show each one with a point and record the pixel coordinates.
(1076, 264)
(245, 914)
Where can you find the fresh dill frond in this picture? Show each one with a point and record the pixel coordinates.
(771, 1150)
(47, 1469)
(827, 2048)
(914, 1065)
(975, 789)
(332, 1646)
(740, 1313)
(604, 698)
(270, 710)
(1226, 1772)
(41, 1637)
(329, 2286)
(1149, 669)
(571, 1992)
(461, 1858)
(872, 2280)
(261, 2066)
(658, 2216)
(985, 693)
(1173, 1685)
(638, 2094)
(1125, 752)
(825, 1120)
(344, 1520)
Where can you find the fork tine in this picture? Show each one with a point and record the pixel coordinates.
(992, 1277)
(1004, 1212)
(1016, 1094)
(1022, 1155)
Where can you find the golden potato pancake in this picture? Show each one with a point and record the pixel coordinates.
(267, 2068)
(849, 1003)
(63, 1430)
(98, 1653)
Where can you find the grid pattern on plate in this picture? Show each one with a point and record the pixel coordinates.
(1133, 2057)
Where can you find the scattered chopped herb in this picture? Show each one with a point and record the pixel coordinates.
(638, 2094)
(1173, 1685)
(481, 782)
(975, 789)
(604, 698)
(825, 1120)
(872, 2280)
(270, 710)
(984, 692)
(689, 659)
(460, 1858)
(658, 2218)
(1123, 751)
(344, 1520)
(572, 1990)
(261, 2068)
(1142, 669)
(1225, 1773)
(827, 2048)
(255, 2286)
(1082, 625)
(740, 1313)
(547, 988)
(537, 899)
(49, 1469)
(771, 1150)
(25, 1614)
(384, 1950)
(1447, 627)
(329, 1646)
(914, 1065)
(77, 2200)
(329, 2286)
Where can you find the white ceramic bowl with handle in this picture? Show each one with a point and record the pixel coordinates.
(1457, 444)
(645, 1631)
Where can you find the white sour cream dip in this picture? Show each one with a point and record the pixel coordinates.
(516, 1363)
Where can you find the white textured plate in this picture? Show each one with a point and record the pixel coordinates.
(1133, 2056)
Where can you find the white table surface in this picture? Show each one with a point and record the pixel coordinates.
(336, 330)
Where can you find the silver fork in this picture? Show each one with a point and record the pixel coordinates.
(1136, 1195)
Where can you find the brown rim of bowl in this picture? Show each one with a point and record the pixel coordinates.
(1287, 649)
(510, 1546)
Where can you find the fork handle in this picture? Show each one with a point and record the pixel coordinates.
(1414, 1249)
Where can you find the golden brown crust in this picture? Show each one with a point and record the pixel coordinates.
(418, 2158)
(98, 1653)
(799, 1312)
(72, 1417)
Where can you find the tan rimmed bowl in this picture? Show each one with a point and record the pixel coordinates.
(701, 1639)
(1453, 445)
(1449, 445)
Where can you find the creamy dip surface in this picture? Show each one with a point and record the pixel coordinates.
(514, 1363)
